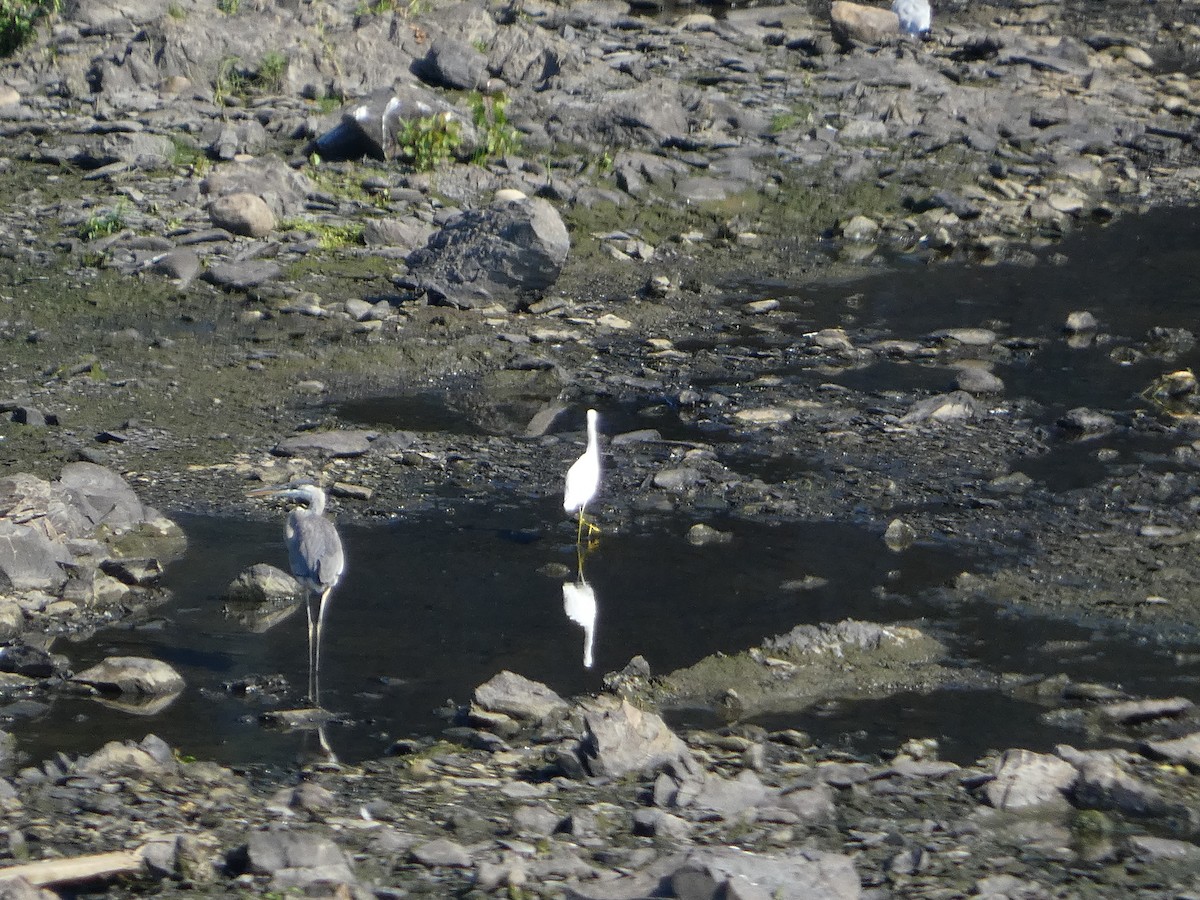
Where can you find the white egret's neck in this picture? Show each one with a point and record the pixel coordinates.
(593, 419)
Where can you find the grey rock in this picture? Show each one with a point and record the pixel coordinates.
(137, 150)
(1182, 750)
(853, 23)
(182, 264)
(978, 380)
(262, 583)
(519, 697)
(1102, 783)
(678, 480)
(12, 620)
(1024, 779)
(151, 756)
(728, 798)
(299, 857)
(326, 444)
(658, 823)
(454, 64)
(282, 188)
(812, 805)
(20, 889)
(711, 873)
(442, 852)
(32, 662)
(620, 738)
(242, 276)
(498, 254)
(132, 675)
(1133, 712)
(1145, 846)
(538, 820)
(958, 406)
(242, 213)
(29, 560)
(103, 497)
(1084, 421)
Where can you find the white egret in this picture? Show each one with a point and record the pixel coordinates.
(317, 561)
(915, 15)
(583, 478)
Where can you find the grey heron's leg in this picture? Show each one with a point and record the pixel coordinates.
(317, 650)
(312, 681)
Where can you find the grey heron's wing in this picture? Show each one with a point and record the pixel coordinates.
(315, 550)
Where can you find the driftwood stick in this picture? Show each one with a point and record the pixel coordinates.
(79, 868)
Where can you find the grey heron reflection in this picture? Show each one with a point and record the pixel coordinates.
(317, 562)
(579, 603)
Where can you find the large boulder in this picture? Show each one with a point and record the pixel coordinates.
(498, 254)
(854, 23)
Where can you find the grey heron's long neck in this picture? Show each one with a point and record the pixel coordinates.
(316, 502)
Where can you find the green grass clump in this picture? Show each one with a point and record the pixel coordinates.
(19, 18)
(271, 68)
(103, 224)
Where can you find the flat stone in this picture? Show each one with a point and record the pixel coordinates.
(331, 444)
(132, 675)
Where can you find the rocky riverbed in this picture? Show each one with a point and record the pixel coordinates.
(225, 224)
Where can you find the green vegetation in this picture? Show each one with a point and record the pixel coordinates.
(19, 18)
(429, 141)
(271, 68)
(328, 235)
(186, 153)
(229, 7)
(231, 80)
(380, 7)
(103, 224)
(490, 117)
(175, 11)
(800, 114)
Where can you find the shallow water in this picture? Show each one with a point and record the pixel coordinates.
(438, 601)
(432, 606)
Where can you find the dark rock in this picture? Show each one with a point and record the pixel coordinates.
(32, 662)
(501, 253)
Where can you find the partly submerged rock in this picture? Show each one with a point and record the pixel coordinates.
(132, 675)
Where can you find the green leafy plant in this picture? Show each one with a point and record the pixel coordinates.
(489, 113)
(271, 68)
(19, 18)
(229, 7)
(429, 141)
(103, 224)
(230, 81)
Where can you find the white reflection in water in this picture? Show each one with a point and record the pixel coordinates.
(579, 603)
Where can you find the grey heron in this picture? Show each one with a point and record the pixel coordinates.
(317, 562)
(583, 478)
